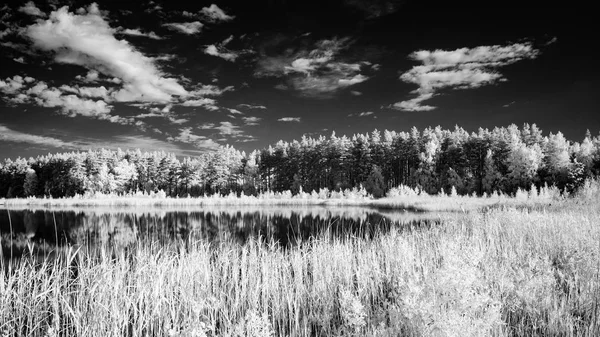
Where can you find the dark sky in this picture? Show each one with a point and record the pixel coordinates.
(186, 77)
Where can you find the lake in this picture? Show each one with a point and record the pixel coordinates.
(47, 230)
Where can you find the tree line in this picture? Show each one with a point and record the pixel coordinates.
(434, 159)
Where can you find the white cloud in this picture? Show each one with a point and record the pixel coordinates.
(87, 40)
(462, 68)
(186, 136)
(289, 119)
(414, 104)
(250, 121)
(188, 28)
(210, 90)
(10, 135)
(315, 73)
(226, 55)
(356, 93)
(138, 32)
(344, 82)
(12, 85)
(235, 112)
(91, 76)
(228, 129)
(20, 60)
(30, 9)
(250, 106)
(100, 92)
(205, 102)
(227, 40)
(215, 14)
(66, 98)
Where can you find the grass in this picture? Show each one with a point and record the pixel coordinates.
(502, 272)
(398, 198)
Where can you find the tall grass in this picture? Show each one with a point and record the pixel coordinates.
(503, 272)
(402, 197)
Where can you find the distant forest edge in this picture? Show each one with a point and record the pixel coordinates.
(432, 160)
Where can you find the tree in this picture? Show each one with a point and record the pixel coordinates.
(375, 183)
(30, 185)
(523, 164)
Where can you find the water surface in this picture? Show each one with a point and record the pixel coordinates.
(21, 229)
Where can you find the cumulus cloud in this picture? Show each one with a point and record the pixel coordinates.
(138, 32)
(462, 68)
(91, 76)
(226, 55)
(87, 40)
(228, 129)
(215, 14)
(289, 119)
(70, 100)
(9, 135)
(186, 136)
(317, 72)
(30, 9)
(188, 28)
(207, 103)
(250, 121)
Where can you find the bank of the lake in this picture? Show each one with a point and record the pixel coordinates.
(407, 201)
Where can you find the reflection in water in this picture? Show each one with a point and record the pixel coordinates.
(122, 227)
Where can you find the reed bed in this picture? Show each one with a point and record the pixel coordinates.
(397, 198)
(503, 272)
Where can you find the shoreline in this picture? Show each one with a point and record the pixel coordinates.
(419, 203)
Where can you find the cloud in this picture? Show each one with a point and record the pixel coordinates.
(219, 50)
(210, 90)
(362, 114)
(215, 14)
(20, 60)
(289, 119)
(414, 104)
(250, 121)
(71, 100)
(12, 85)
(225, 129)
(138, 32)
(226, 55)
(70, 105)
(235, 112)
(207, 103)
(87, 40)
(91, 76)
(186, 136)
(100, 92)
(10, 135)
(316, 72)
(462, 68)
(356, 93)
(250, 106)
(375, 8)
(188, 28)
(228, 129)
(30, 9)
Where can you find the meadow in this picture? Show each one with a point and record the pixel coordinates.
(496, 271)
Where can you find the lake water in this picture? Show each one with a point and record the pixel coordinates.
(46, 230)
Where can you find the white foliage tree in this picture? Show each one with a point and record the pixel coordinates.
(523, 163)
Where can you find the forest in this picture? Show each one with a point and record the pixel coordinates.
(433, 160)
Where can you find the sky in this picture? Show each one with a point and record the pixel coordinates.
(188, 77)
